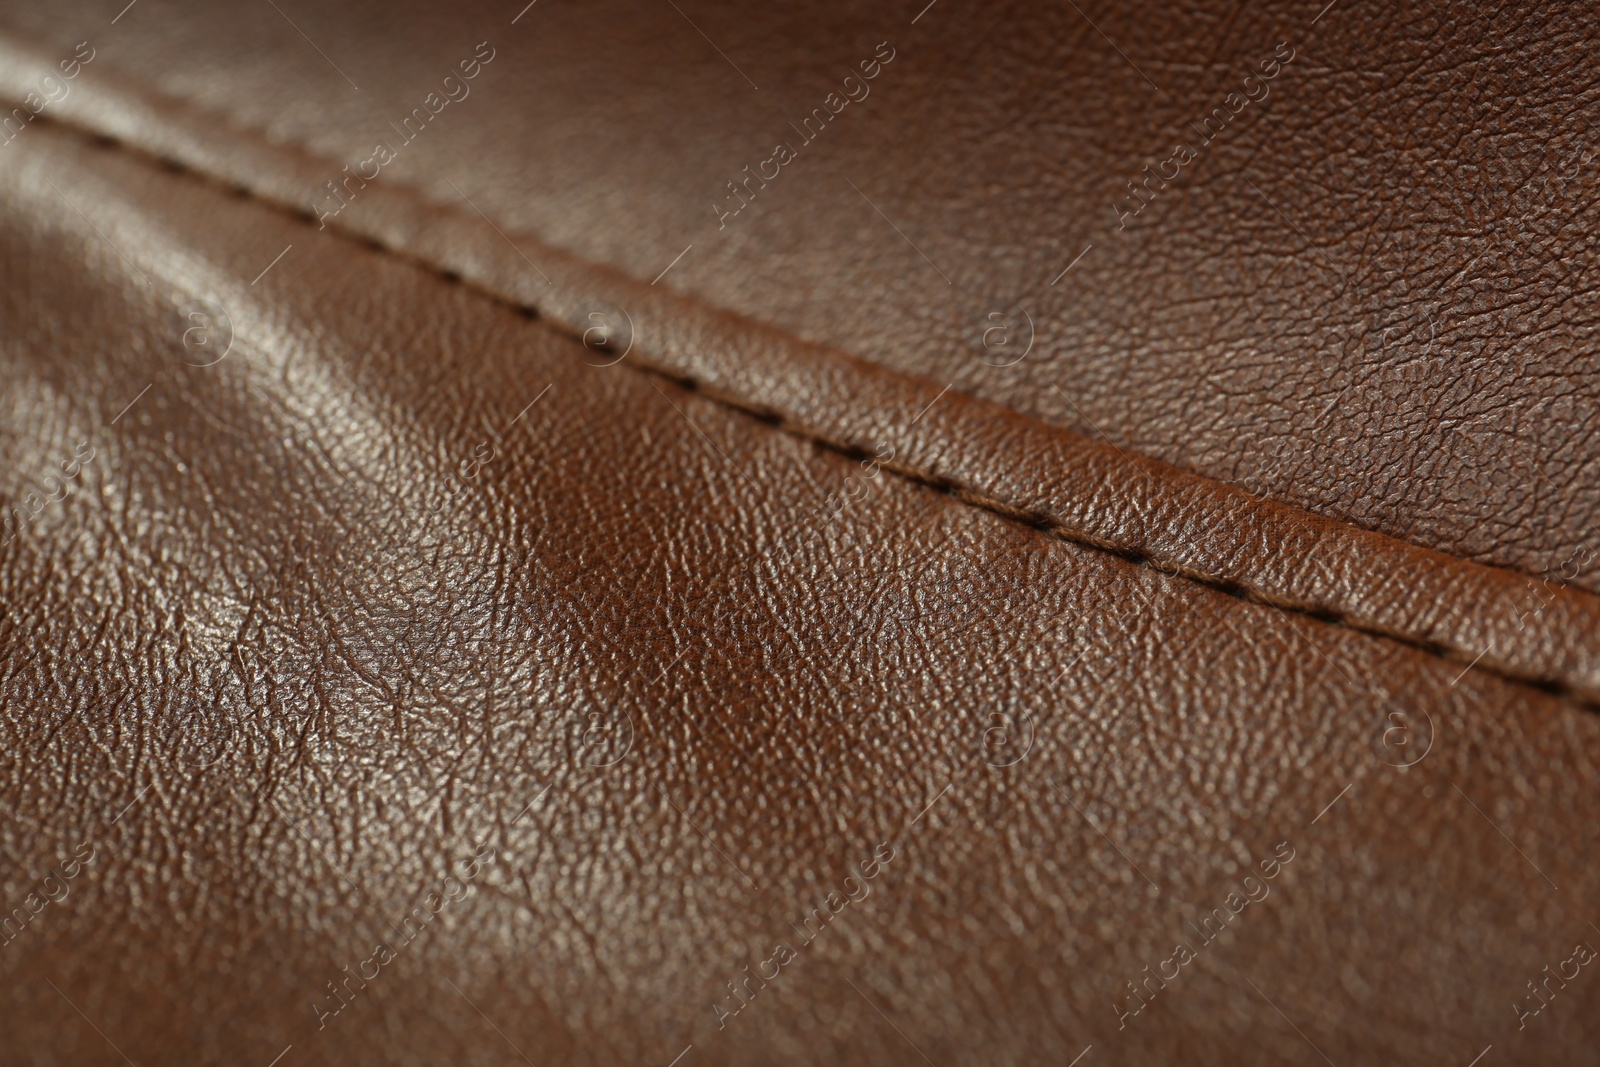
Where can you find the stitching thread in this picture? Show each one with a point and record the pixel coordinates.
(1045, 524)
(300, 151)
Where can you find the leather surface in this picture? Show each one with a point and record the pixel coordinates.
(1090, 492)
(310, 630)
(1366, 296)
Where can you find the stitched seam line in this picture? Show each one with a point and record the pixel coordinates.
(1057, 530)
(1048, 525)
(305, 153)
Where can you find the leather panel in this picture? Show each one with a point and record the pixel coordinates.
(1364, 297)
(291, 650)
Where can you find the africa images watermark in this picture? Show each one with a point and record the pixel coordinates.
(1540, 995)
(1535, 602)
(53, 90)
(810, 128)
(1211, 926)
(17, 517)
(53, 889)
(854, 488)
(455, 90)
(1183, 153)
(810, 925)
(409, 929)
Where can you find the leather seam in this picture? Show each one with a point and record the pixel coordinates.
(1550, 685)
(420, 198)
(1546, 683)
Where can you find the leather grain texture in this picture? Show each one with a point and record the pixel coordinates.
(717, 689)
(1095, 492)
(1366, 296)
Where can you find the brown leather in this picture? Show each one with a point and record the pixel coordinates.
(641, 647)
(1362, 298)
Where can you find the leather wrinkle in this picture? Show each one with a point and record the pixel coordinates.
(1550, 684)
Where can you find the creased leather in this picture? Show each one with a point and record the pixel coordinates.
(286, 667)
(667, 652)
(1540, 631)
(1366, 298)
